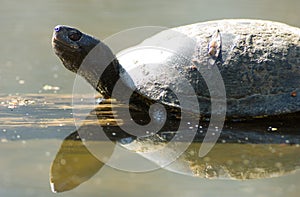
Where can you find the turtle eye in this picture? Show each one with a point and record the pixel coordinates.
(75, 36)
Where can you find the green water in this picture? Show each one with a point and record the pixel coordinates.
(27, 63)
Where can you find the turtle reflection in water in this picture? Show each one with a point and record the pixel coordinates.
(259, 62)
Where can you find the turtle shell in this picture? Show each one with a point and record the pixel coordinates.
(252, 65)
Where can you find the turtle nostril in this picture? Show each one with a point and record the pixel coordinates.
(57, 28)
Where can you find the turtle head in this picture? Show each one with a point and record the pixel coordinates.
(72, 46)
(100, 68)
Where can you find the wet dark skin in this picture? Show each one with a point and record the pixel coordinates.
(72, 46)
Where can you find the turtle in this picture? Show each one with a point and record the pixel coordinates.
(258, 61)
(259, 64)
